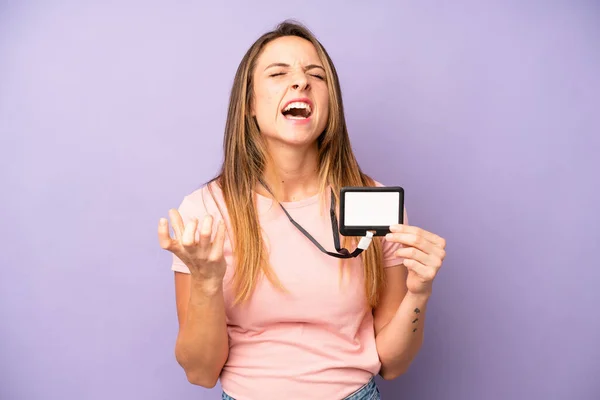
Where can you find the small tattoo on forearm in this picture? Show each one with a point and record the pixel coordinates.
(417, 311)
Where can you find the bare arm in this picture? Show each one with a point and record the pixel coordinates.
(399, 324)
(400, 317)
(202, 342)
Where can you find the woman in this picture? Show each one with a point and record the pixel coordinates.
(260, 306)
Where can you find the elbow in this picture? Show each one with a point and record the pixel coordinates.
(392, 366)
(391, 371)
(203, 380)
(390, 375)
(196, 375)
(200, 377)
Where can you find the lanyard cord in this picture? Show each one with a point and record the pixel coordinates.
(341, 252)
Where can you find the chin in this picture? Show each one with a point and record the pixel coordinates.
(297, 138)
(291, 137)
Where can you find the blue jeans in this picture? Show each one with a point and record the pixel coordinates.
(367, 392)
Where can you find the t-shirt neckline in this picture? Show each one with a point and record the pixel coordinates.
(268, 201)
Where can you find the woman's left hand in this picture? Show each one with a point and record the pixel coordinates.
(423, 254)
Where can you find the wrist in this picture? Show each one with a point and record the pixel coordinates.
(206, 287)
(420, 297)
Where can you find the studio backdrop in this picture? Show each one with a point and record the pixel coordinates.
(485, 112)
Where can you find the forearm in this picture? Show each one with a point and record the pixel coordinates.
(400, 340)
(202, 344)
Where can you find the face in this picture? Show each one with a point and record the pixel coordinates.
(291, 100)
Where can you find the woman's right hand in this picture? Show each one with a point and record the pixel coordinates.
(204, 259)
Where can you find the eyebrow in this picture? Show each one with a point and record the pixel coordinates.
(311, 66)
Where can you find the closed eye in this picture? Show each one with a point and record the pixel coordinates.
(320, 77)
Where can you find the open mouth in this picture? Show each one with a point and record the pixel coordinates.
(297, 110)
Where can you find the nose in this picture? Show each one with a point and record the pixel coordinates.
(299, 81)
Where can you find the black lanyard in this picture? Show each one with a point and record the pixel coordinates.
(341, 252)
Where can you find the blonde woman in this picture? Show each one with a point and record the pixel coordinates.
(260, 307)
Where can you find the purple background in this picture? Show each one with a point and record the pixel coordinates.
(487, 114)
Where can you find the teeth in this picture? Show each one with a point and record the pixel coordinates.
(298, 104)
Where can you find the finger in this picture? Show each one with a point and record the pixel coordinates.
(434, 253)
(216, 251)
(418, 255)
(164, 236)
(413, 240)
(424, 272)
(432, 237)
(177, 223)
(206, 233)
(188, 238)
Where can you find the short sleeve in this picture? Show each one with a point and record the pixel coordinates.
(191, 206)
(389, 248)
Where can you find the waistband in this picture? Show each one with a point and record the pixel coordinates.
(369, 391)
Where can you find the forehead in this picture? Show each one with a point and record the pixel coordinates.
(290, 50)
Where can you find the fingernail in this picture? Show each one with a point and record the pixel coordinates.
(388, 236)
(162, 221)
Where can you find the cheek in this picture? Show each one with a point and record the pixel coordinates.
(326, 107)
(267, 103)
(324, 101)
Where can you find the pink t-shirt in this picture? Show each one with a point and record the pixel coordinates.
(315, 342)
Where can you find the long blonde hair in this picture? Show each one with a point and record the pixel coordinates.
(245, 156)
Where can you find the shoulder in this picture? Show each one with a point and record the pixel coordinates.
(370, 181)
(207, 199)
(377, 183)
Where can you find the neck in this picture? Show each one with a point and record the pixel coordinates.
(291, 173)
